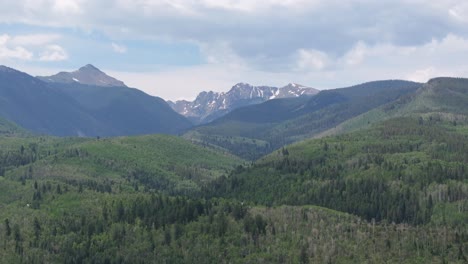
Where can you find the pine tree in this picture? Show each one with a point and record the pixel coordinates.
(37, 228)
(7, 228)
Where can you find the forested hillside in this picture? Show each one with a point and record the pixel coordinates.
(254, 131)
(165, 163)
(8, 128)
(444, 97)
(73, 201)
(404, 170)
(394, 192)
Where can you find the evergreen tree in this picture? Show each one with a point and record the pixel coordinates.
(37, 228)
(7, 228)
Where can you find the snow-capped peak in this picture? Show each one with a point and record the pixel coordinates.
(209, 105)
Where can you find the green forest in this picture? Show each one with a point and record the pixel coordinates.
(389, 185)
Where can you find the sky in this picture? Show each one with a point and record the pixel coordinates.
(177, 48)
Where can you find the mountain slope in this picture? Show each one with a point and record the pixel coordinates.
(409, 168)
(164, 163)
(253, 131)
(395, 171)
(33, 105)
(403, 184)
(75, 109)
(11, 129)
(442, 98)
(210, 105)
(88, 74)
(125, 111)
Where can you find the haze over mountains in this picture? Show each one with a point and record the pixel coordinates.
(88, 102)
(256, 130)
(255, 166)
(88, 107)
(379, 165)
(249, 121)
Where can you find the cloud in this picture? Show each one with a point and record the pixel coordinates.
(422, 75)
(356, 55)
(460, 12)
(34, 39)
(53, 53)
(10, 51)
(361, 63)
(311, 60)
(67, 6)
(24, 48)
(324, 44)
(253, 6)
(266, 34)
(118, 48)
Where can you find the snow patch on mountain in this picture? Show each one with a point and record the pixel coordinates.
(211, 105)
(88, 74)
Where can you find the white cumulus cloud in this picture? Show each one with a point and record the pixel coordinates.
(9, 50)
(26, 47)
(53, 53)
(314, 42)
(311, 60)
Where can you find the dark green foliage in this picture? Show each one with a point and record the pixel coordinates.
(10, 129)
(165, 163)
(7, 228)
(391, 172)
(160, 199)
(281, 122)
(37, 228)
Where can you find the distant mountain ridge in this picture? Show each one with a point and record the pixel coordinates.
(88, 74)
(78, 109)
(209, 106)
(255, 130)
(32, 104)
(441, 97)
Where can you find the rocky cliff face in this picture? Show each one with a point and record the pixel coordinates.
(211, 105)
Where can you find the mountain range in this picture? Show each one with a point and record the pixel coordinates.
(377, 172)
(209, 106)
(256, 130)
(89, 107)
(88, 102)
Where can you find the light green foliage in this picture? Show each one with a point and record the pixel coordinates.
(395, 192)
(160, 162)
(284, 121)
(9, 129)
(441, 98)
(387, 172)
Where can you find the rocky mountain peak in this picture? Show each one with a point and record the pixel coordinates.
(210, 105)
(88, 74)
(89, 67)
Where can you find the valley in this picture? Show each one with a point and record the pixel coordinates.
(372, 173)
